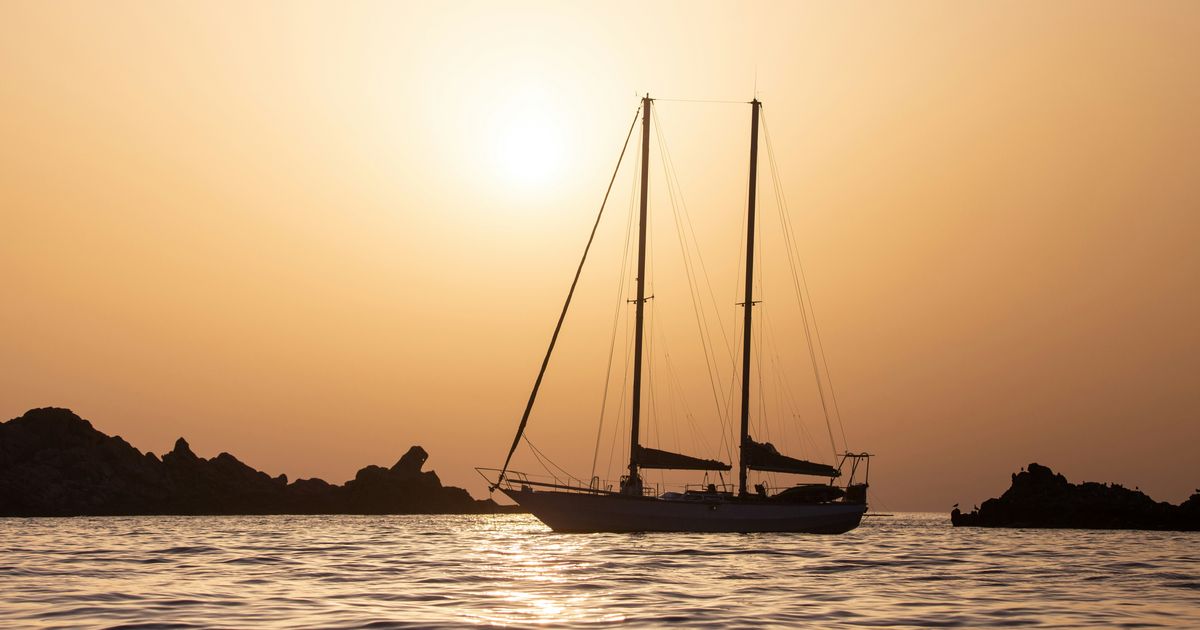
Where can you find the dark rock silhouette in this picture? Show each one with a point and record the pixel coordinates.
(410, 464)
(1039, 497)
(54, 463)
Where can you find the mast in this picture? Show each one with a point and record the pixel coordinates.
(634, 486)
(748, 305)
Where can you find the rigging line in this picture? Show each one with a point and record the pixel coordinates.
(809, 318)
(791, 400)
(628, 338)
(693, 288)
(760, 243)
(816, 371)
(683, 219)
(700, 100)
(616, 321)
(658, 417)
(781, 408)
(672, 396)
(805, 435)
(649, 406)
(790, 229)
(620, 428)
(542, 463)
(763, 419)
(734, 383)
(768, 338)
(654, 365)
(538, 452)
(653, 418)
(675, 384)
(783, 392)
(699, 442)
(566, 305)
(728, 439)
(760, 419)
(736, 351)
(627, 346)
(703, 327)
(658, 337)
(791, 419)
(673, 173)
(792, 265)
(778, 382)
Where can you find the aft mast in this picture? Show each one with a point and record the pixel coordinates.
(634, 483)
(748, 304)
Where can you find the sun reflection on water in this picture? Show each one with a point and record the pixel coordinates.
(542, 571)
(508, 570)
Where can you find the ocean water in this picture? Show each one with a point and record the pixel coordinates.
(908, 570)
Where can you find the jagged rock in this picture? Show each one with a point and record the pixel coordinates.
(182, 450)
(411, 462)
(1039, 497)
(54, 463)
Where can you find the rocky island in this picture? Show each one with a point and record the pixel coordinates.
(54, 463)
(1039, 497)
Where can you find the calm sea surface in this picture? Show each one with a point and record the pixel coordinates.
(426, 571)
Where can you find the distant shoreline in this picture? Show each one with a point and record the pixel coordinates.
(53, 463)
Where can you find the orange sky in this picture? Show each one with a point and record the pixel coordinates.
(313, 234)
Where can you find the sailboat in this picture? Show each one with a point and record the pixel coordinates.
(636, 506)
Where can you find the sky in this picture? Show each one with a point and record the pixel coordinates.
(314, 234)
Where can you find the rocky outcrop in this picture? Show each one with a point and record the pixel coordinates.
(1039, 497)
(54, 463)
(409, 465)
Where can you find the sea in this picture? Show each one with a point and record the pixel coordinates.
(896, 571)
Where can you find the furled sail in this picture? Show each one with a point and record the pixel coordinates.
(766, 457)
(654, 458)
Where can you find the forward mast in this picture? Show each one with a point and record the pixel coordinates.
(633, 484)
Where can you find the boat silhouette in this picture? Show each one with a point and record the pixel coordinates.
(636, 506)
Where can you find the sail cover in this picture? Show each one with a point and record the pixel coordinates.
(654, 458)
(767, 458)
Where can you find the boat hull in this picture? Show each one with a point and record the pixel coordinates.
(581, 512)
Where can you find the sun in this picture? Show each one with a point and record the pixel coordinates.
(528, 142)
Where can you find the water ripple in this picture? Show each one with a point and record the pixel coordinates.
(392, 572)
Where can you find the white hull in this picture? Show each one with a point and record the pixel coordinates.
(581, 512)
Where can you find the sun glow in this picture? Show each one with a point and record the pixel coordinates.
(528, 143)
